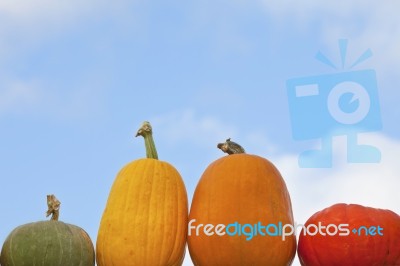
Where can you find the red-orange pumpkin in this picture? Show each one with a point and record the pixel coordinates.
(372, 237)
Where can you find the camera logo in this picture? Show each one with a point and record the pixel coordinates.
(344, 103)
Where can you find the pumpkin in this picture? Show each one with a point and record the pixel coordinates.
(240, 191)
(369, 237)
(145, 218)
(48, 243)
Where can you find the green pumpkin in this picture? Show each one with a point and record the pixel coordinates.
(48, 243)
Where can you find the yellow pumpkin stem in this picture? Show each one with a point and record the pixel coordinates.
(53, 205)
(146, 132)
(230, 147)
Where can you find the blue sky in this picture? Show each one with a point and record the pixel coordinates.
(77, 80)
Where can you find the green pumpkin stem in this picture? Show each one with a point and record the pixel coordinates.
(53, 205)
(147, 133)
(230, 147)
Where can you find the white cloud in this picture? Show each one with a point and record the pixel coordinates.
(186, 125)
(19, 95)
(40, 15)
(24, 25)
(36, 17)
(37, 98)
(372, 185)
(370, 23)
(40, 11)
(33, 8)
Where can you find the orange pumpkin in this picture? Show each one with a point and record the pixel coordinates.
(240, 189)
(145, 219)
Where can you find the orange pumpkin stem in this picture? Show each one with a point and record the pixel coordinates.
(230, 147)
(53, 205)
(146, 132)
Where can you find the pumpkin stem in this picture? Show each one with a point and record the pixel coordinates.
(147, 133)
(230, 147)
(53, 205)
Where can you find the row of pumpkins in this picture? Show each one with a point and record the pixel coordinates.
(145, 221)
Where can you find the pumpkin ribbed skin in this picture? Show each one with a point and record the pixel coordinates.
(354, 249)
(246, 189)
(48, 243)
(145, 219)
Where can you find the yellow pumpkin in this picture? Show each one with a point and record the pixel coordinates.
(145, 219)
(236, 195)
